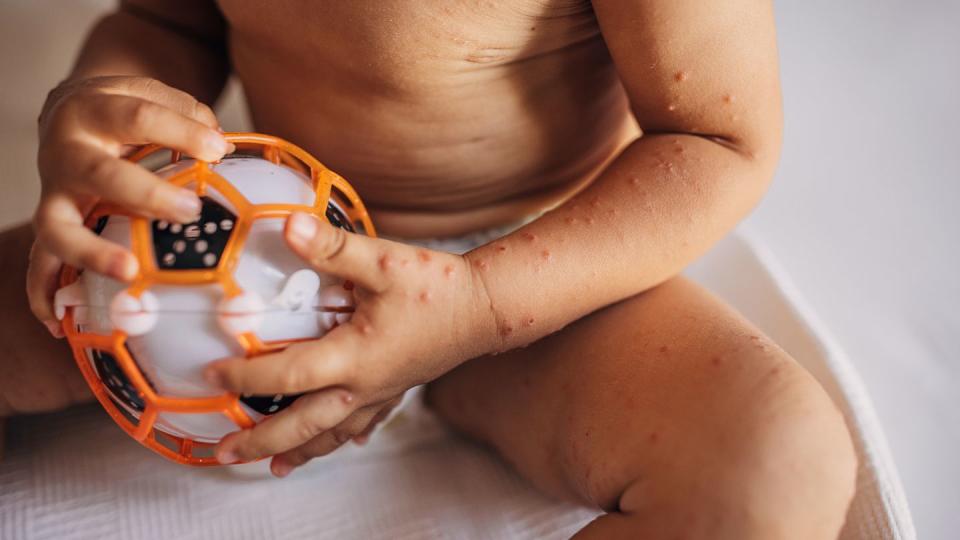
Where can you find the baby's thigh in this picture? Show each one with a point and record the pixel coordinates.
(672, 387)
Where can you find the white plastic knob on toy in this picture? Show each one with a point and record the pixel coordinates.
(241, 314)
(335, 296)
(135, 316)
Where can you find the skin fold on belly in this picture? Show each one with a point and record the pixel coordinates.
(442, 138)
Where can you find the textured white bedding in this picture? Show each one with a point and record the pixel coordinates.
(76, 475)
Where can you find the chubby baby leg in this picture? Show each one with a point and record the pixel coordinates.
(37, 372)
(670, 412)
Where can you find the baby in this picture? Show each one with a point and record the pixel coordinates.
(583, 153)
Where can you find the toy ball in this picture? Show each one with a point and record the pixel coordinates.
(225, 285)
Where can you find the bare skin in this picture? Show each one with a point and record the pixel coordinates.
(638, 393)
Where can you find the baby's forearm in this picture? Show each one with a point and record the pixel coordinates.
(188, 53)
(658, 206)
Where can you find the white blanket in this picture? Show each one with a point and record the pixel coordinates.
(76, 475)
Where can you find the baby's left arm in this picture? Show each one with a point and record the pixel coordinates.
(703, 84)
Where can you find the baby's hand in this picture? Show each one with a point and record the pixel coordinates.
(86, 128)
(418, 314)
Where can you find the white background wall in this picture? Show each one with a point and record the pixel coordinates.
(864, 212)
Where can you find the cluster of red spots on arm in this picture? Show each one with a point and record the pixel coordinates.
(385, 262)
(424, 296)
(424, 255)
(448, 271)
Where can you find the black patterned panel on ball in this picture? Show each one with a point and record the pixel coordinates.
(269, 404)
(337, 217)
(196, 245)
(116, 381)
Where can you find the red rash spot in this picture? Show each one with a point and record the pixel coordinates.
(775, 371)
(529, 237)
(366, 329)
(680, 76)
(653, 437)
(570, 220)
(635, 181)
(595, 202)
(678, 150)
(590, 221)
(529, 321)
(716, 361)
(346, 397)
(424, 256)
(448, 271)
(664, 349)
(348, 285)
(404, 263)
(385, 262)
(501, 248)
(425, 296)
(755, 338)
(506, 330)
(728, 99)
(481, 264)
(545, 255)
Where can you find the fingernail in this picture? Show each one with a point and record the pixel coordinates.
(227, 456)
(302, 226)
(55, 328)
(123, 267)
(280, 469)
(187, 205)
(216, 142)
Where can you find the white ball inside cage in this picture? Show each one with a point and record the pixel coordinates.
(175, 330)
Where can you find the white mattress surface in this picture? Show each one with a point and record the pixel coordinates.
(75, 475)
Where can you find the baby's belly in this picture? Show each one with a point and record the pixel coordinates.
(436, 153)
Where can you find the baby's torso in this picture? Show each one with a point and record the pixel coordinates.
(474, 109)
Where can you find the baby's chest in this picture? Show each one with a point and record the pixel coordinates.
(411, 34)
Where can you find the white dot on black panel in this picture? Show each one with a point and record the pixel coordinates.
(192, 231)
(201, 246)
(169, 259)
(209, 227)
(162, 225)
(273, 408)
(277, 397)
(226, 224)
(176, 228)
(209, 259)
(179, 246)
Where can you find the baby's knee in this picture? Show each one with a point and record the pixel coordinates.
(778, 464)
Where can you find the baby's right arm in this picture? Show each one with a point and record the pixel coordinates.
(133, 83)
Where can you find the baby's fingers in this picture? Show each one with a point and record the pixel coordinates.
(41, 285)
(308, 417)
(60, 230)
(130, 120)
(324, 443)
(133, 187)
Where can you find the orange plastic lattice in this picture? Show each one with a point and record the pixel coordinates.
(326, 185)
